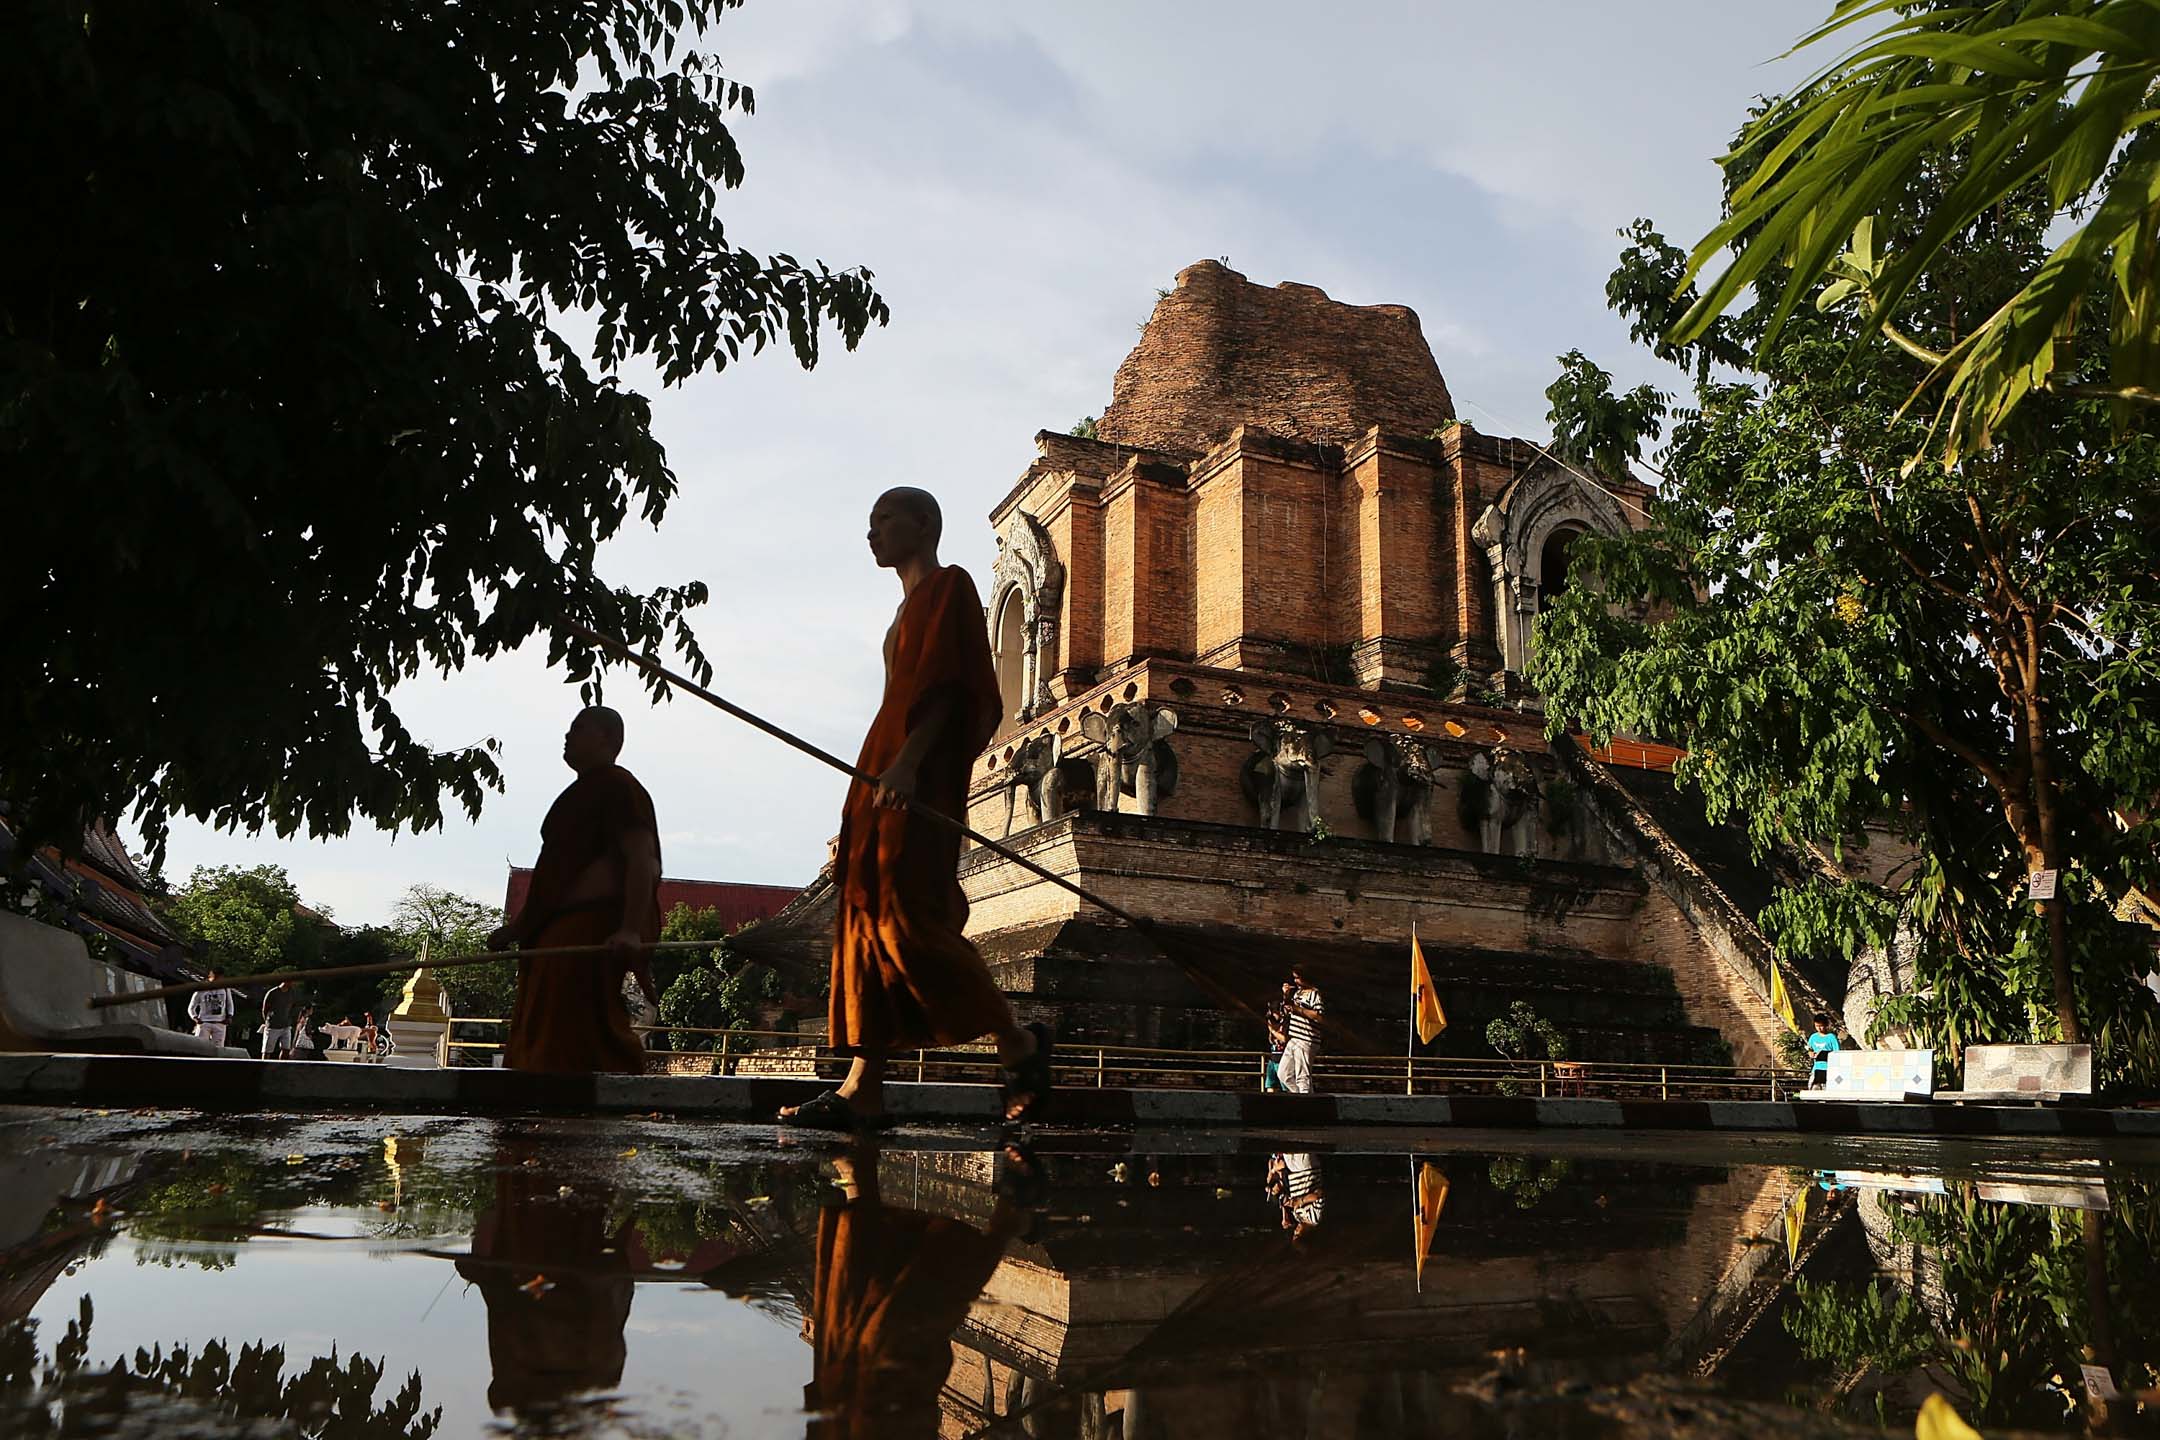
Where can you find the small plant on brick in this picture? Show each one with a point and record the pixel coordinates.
(1320, 829)
(1084, 427)
(1443, 675)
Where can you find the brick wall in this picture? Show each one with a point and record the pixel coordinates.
(1220, 351)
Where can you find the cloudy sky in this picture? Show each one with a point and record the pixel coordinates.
(1022, 178)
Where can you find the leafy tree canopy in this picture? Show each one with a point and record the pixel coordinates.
(246, 921)
(1960, 657)
(707, 989)
(1594, 427)
(2006, 99)
(317, 383)
(453, 925)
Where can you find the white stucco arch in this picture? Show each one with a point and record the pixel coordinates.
(1026, 575)
(1542, 502)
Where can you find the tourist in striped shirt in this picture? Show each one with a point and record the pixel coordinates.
(1301, 1013)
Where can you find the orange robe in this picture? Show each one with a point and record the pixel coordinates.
(569, 1014)
(903, 975)
(890, 1289)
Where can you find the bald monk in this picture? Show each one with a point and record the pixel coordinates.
(903, 975)
(597, 882)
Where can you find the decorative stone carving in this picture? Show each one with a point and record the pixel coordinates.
(1283, 776)
(1034, 774)
(1503, 803)
(1027, 566)
(1542, 501)
(1393, 789)
(1136, 756)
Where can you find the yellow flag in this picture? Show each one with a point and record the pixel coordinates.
(1939, 1420)
(1431, 1200)
(1424, 1000)
(1795, 1220)
(1780, 999)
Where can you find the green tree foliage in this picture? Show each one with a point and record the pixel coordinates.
(707, 989)
(245, 921)
(453, 925)
(2006, 100)
(1084, 427)
(1962, 657)
(318, 383)
(1594, 427)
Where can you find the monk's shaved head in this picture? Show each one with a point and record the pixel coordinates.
(594, 739)
(919, 503)
(606, 721)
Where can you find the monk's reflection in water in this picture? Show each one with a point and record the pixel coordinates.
(891, 1285)
(557, 1267)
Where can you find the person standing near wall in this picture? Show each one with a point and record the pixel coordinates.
(1302, 1010)
(1822, 1045)
(213, 1010)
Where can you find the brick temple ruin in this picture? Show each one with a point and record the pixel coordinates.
(1261, 641)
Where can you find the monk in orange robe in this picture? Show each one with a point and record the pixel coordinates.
(597, 882)
(904, 977)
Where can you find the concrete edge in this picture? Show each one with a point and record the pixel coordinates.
(170, 1082)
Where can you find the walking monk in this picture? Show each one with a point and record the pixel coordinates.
(597, 882)
(903, 975)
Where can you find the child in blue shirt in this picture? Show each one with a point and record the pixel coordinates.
(1822, 1044)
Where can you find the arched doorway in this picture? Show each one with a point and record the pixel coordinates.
(1553, 562)
(1008, 647)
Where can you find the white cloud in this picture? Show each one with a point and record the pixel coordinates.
(1022, 178)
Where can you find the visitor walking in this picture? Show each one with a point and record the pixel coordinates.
(1302, 1009)
(213, 1009)
(1822, 1045)
(280, 1008)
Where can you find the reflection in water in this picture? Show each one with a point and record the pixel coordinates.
(942, 1293)
(892, 1285)
(207, 1390)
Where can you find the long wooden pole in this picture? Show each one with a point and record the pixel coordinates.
(379, 967)
(914, 807)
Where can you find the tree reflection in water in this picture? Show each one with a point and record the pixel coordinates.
(183, 1391)
(2008, 1302)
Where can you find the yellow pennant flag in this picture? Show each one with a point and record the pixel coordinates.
(1781, 999)
(1424, 1000)
(1431, 1200)
(1795, 1221)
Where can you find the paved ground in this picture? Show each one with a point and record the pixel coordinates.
(119, 1081)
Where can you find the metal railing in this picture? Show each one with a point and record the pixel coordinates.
(773, 1052)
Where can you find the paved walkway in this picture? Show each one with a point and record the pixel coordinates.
(111, 1080)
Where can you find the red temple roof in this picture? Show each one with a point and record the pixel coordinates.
(737, 903)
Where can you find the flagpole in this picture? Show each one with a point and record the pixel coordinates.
(1409, 1084)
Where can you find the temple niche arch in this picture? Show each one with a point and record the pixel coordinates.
(1529, 534)
(1008, 648)
(1027, 582)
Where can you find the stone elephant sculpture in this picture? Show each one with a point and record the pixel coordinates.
(1283, 774)
(1136, 757)
(1502, 806)
(1394, 788)
(1033, 773)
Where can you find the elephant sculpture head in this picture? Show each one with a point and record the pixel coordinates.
(1284, 771)
(1032, 772)
(1137, 758)
(1393, 789)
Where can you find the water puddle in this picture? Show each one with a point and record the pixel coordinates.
(164, 1274)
